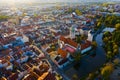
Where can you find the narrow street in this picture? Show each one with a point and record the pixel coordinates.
(88, 63)
(54, 66)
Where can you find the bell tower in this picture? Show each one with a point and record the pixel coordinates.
(72, 32)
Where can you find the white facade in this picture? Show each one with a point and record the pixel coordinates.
(25, 38)
(10, 67)
(90, 37)
(72, 32)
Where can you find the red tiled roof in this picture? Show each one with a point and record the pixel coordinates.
(6, 40)
(62, 53)
(50, 76)
(5, 51)
(69, 41)
(25, 66)
(8, 58)
(86, 45)
(4, 61)
(72, 43)
(13, 76)
(30, 77)
(3, 78)
(63, 39)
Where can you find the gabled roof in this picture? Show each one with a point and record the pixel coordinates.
(8, 58)
(7, 40)
(13, 76)
(47, 76)
(3, 78)
(85, 45)
(50, 76)
(62, 38)
(75, 44)
(42, 77)
(4, 61)
(72, 43)
(69, 41)
(62, 53)
(25, 66)
(30, 77)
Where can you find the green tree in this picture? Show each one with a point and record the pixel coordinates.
(83, 37)
(111, 20)
(116, 37)
(99, 24)
(109, 55)
(75, 77)
(70, 10)
(78, 12)
(53, 47)
(94, 44)
(77, 56)
(107, 70)
(115, 51)
(116, 61)
(3, 17)
(105, 40)
(35, 15)
(105, 4)
(107, 34)
(117, 26)
(91, 76)
(78, 39)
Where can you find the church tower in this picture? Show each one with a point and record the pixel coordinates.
(90, 36)
(72, 32)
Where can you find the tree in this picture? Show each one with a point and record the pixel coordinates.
(75, 77)
(111, 20)
(70, 10)
(83, 37)
(117, 26)
(91, 76)
(78, 12)
(116, 36)
(107, 34)
(116, 51)
(78, 39)
(115, 46)
(53, 47)
(107, 70)
(105, 4)
(77, 56)
(3, 17)
(94, 44)
(24, 14)
(105, 40)
(99, 24)
(116, 61)
(35, 15)
(109, 55)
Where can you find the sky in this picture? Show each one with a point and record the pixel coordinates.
(44, 1)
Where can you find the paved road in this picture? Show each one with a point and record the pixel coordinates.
(54, 66)
(88, 63)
